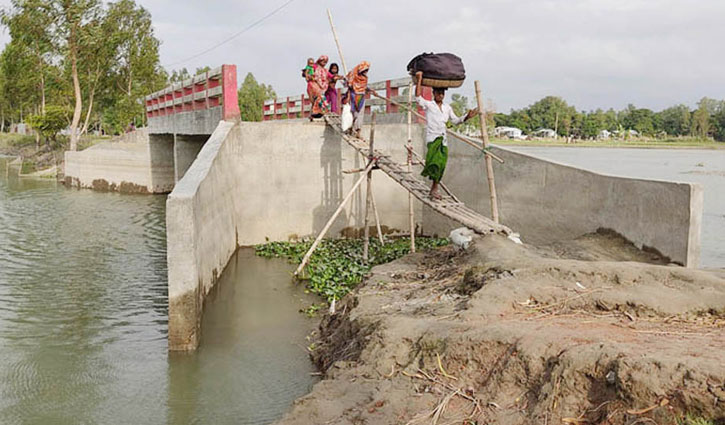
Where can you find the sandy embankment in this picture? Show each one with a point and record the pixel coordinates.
(576, 333)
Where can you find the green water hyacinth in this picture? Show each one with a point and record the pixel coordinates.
(337, 265)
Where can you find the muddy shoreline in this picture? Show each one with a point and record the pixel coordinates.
(589, 332)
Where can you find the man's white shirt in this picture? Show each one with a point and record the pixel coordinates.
(436, 119)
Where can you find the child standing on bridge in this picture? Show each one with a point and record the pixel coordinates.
(331, 93)
(437, 115)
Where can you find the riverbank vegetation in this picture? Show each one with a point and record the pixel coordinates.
(337, 265)
(88, 62)
(676, 125)
(92, 60)
(41, 156)
(638, 142)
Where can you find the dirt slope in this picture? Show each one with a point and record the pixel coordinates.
(512, 334)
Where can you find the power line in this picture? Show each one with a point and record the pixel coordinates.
(254, 24)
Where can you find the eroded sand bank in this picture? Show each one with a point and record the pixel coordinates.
(592, 331)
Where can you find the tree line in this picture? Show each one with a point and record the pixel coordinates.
(707, 120)
(87, 64)
(82, 60)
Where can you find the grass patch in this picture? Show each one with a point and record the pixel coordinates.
(16, 140)
(27, 167)
(694, 420)
(641, 142)
(337, 266)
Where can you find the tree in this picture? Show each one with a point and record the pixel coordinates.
(551, 112)
(177, 76)
(251, 98)
(700, 126)
(675, 120)
(593, 123)
(718, 122)
(135, 68)
(28, 27)
(69, 20)
(638, 119)
(50, 123)
(18, 91)
(96, 52)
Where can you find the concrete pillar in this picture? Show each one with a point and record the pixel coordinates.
(161, 153)
(186, 148)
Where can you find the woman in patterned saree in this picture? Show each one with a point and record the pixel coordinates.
(317, 87)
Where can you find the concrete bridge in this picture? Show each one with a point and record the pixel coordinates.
(180, 120)
(278, 180)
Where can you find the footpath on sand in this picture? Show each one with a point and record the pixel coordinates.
(589, 332)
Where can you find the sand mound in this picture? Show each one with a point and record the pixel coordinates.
(511, 334)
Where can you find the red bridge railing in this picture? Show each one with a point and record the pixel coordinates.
(217, 87)
(300, 106)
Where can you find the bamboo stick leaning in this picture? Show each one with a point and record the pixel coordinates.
(322, 234)
(337, 42)
(344, 68)
(411, 212)
(489, 164)
(368, 200)
(377, 218)
(372, 200)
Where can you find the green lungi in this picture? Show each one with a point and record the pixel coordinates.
(435, 160)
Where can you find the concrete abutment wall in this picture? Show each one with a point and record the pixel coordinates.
(547, 202)
(138, 162)
(282, 180)
(257, 181)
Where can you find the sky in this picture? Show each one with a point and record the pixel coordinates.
(593, 53)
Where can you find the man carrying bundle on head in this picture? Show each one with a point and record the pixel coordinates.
(437, 115)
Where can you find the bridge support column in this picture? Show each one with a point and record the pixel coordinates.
(162, 162)
(186, 148)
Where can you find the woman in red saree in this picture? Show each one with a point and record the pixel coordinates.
(317, 87)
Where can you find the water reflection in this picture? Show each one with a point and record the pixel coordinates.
(83, 319)
(253, 328)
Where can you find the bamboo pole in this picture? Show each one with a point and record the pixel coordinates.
(458, 136)
(369, 185)
(370, 173)
(337, 42)
(377, 218)
(332, 220)
(375, 207)
(489, 164)
(409, 147)
(344, 68)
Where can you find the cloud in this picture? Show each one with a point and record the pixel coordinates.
(594, 53)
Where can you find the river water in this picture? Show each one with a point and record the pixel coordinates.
(83, 319)
(704, 166)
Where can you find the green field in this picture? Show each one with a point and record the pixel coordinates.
(642, 142)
